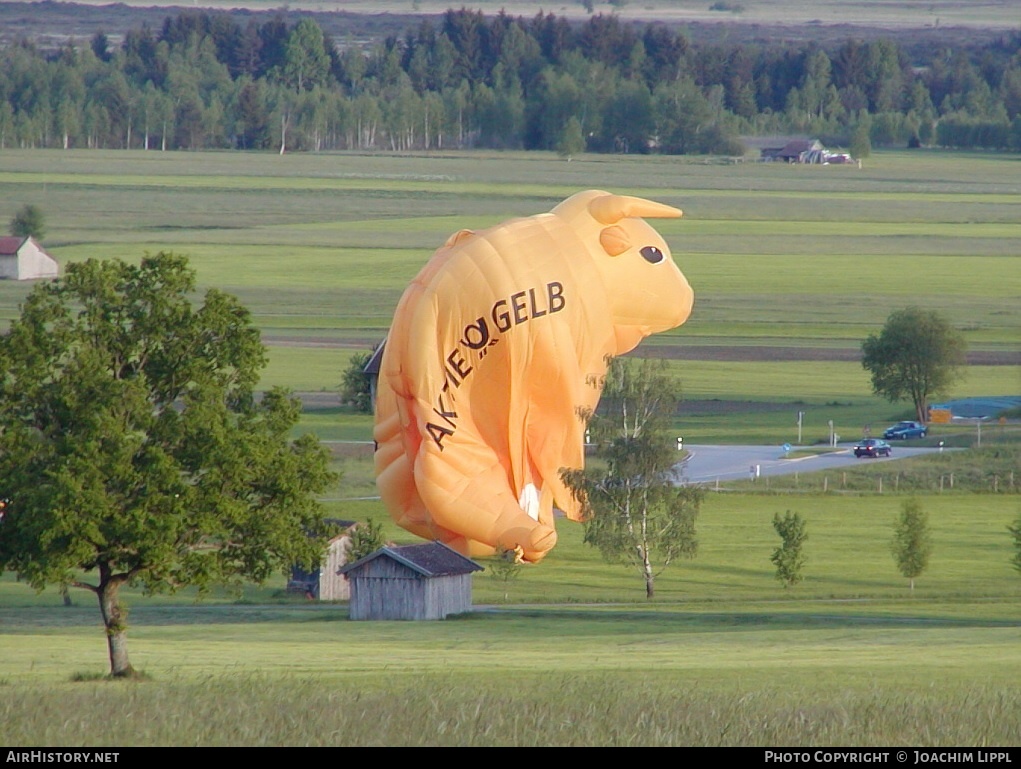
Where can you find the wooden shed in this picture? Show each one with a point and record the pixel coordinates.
(796, 151)
(326, 583)
(371, 370)
(428, 581)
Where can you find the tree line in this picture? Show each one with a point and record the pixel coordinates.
(467, 80)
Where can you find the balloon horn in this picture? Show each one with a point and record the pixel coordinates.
(609, 209)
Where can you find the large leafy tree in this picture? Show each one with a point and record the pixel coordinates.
(635, 514)
(917, 355)
(133, 448)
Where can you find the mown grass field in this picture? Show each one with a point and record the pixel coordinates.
(994, 14)
(323, 245)
(319, 248)
(573, 655)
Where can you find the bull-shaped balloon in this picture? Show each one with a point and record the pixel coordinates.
(497, 348)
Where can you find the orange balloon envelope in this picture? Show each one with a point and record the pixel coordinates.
(497, 348)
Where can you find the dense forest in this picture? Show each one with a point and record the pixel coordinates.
(466, 80)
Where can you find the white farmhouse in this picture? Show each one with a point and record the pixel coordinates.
(22, 258)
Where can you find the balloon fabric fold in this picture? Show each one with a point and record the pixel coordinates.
(497, 350)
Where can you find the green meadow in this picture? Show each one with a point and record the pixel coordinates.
(570, 652)
(324, 245)
(319, 247)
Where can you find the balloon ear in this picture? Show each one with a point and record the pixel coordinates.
(614, 240)
(609, 209)
(457, 237)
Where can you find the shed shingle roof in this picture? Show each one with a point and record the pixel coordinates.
(373, 363)
(432, 559)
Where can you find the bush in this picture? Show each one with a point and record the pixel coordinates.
(789, 558)
(28, 222)
(355, 385)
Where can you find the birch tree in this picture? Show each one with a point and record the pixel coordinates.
(635, 513)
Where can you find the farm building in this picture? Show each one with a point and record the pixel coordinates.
(794, 151)
(797, 150)
(22, 258)
(371, 370)
(974, 408)
(428, 581)
(326, 583)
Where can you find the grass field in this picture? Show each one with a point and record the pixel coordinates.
(570, 653)
(323, 246)
(992, 14)
(574, 655)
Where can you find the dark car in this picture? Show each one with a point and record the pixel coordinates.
(904, 430)
(872, 447)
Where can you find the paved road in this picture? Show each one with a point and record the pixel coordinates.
(706, 464)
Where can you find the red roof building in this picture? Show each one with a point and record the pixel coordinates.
(22, 258)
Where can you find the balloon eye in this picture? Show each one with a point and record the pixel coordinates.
(652, 255)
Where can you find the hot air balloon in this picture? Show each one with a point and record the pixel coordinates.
(496, 352)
